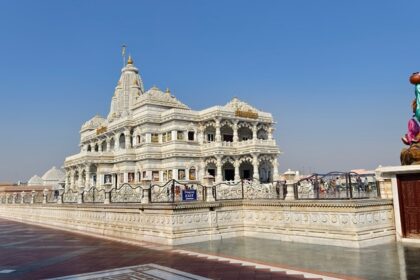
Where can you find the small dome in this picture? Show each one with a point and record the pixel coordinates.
(94, 122)
(54, 174)
(154, 91)
(35, 181)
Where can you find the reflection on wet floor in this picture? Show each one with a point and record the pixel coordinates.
(388, 261)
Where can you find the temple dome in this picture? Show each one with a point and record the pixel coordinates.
(54, 175)
(35, 181)
(129, 88)
(93, 123)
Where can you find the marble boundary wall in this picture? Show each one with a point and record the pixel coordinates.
(342, 223)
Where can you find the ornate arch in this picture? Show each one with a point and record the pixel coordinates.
(228, 159)
(210, 160)
(208, 124)
(226, 123)
(266, 158)
(263, 126)
(244, 124)
(245, 159)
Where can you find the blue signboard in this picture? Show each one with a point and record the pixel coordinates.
(189, 195)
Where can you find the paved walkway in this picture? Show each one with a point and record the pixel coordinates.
(32, 252)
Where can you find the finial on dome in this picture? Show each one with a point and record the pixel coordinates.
(130, 60)
(168, 90)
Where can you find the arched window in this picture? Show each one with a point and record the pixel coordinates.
(122, 141)
(96, 148)
(89, 148)
(192, 174)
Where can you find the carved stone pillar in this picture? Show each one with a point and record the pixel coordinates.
(200, 134)
(60, 196)
(108, 189)
(218, 134)
(255, 167)
(270, 133)
(80, 197)
(219, 176)
(108, 144)
(66, 180)
(290, 177)
(80, 179)
(127, 139)
(275, 169)
(202, 172)
(100, 147)
(235, 132)
(45, 193)
(117, 142)
(22, 197)
(33, 194)
(146, 191)
(237, 174)
(88, 178)
(254, 132)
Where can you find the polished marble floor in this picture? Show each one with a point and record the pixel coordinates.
(32, 252)
(389, 261)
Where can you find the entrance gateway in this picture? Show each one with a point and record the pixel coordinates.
(409, 197)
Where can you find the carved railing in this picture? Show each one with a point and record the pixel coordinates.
(249, 189)
(27, 198)
(228, 190)
(94, 195)
(333, 185)
(39, 197)
(70, 196)
(256, 190)
(52, 197)
(337, 185)
(175, 191)
(127, 194)
(2, 198)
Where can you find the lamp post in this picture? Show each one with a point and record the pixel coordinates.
(145, 183)
(208, 183)
(33, 194)
(45, 192)
(290, 177)
(108, 190)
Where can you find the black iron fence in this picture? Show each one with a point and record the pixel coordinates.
(333, 186)
(337, 185)
(176, 191)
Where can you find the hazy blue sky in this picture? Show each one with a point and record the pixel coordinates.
(333, 73)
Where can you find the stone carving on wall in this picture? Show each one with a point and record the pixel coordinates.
(237, 105)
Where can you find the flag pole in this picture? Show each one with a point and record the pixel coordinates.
(123, 53)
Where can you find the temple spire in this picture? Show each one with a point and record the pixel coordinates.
(130, 60)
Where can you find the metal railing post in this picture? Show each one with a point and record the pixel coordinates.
(351, 187)
(173, 190)
(242, 186)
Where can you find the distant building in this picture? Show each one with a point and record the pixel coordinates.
(52, 177)
(151, 134)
